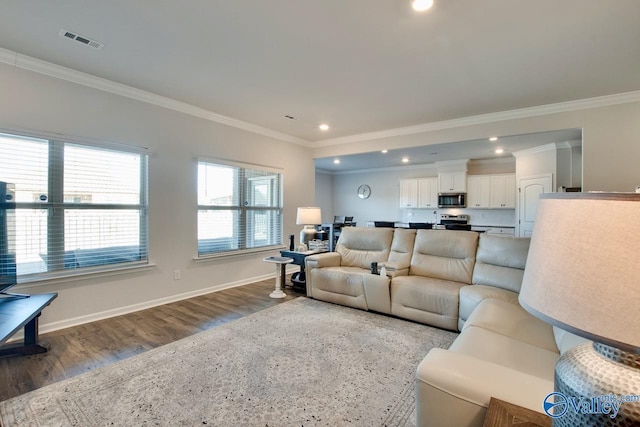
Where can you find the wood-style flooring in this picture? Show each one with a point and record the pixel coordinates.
(79, 349)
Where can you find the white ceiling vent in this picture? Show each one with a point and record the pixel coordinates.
(81, 39)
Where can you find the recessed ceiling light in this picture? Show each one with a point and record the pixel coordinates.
(421, 5)
(405, 160)
(336, 161)
(384, 151)
(499, 151)
(324, 126)
(493, 138)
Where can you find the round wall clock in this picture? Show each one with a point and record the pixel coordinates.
(364, 191)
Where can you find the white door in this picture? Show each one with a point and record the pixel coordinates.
(530, 190)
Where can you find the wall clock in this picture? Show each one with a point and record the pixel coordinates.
(364, 191)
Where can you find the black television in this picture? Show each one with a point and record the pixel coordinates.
(8, 271)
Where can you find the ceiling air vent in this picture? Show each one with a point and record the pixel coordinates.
(81, 39)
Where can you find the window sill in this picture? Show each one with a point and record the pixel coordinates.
(212, 257)
(65, 277)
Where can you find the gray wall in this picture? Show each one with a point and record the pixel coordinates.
(36, 102)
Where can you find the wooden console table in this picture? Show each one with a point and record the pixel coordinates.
(18, 312)
(505, 414)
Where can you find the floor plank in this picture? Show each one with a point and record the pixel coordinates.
(82, 348)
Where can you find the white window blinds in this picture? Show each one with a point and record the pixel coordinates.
(239, 208)
(76, 207)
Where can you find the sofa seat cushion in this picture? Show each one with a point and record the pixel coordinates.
(514, 322)
(471, 296)
(340, 285)
(426, 300)
(505, 351)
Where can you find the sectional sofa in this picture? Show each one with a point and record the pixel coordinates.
(456, 280)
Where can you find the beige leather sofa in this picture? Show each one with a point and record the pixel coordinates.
(436, 277)
(455, 280)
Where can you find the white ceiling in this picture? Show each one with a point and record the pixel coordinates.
(481, 149)
(359, 65)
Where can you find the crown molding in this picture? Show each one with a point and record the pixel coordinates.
(541, 149)
(52, 70)
(376, 170)
(561, 107)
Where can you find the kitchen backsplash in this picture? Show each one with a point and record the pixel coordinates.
(497, 217)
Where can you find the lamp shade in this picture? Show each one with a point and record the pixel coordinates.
(309, 216)
(583, 268)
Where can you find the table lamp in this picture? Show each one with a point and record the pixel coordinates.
(583, 275)
(309, 217)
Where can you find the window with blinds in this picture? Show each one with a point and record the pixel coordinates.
(75, 208)
(239, 208)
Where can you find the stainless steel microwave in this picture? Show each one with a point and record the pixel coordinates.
(452, 200)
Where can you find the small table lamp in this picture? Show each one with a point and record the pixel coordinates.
(583, 275)
(309, 217)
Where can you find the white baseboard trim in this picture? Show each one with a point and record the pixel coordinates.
(94, 317)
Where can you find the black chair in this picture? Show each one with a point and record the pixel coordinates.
(421, 225)
(348, 220)
(339, 219)
(384, 224)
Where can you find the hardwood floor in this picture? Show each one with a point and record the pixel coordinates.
(79, 349)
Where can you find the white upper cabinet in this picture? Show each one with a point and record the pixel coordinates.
(491, 191)
(428, 192)
(503, 191)
(452, 182)
(408, 193)
(479, 192)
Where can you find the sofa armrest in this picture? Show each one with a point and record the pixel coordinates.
(327, 259)
(455, 388)
(396, 268)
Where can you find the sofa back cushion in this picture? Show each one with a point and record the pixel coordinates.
(444, 254)
(500, 261)
(402, 247)
(360, 246)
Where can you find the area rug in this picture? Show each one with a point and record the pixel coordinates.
(300, 363)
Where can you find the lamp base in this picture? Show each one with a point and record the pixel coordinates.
(307, 234)
(596, 385)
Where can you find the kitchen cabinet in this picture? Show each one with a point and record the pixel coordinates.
(479, 192)
(408, 193)
(452, 182)
(428, 192)
(502, 231)
(503, 191)
(491, 191)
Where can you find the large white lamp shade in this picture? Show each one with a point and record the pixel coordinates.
(583, 275)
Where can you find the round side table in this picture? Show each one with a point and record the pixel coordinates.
(280, 262)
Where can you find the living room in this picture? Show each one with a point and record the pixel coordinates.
(53, 88)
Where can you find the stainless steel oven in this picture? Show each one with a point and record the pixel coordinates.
(452, 200)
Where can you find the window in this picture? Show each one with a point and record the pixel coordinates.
(77, 207)
(239, 208)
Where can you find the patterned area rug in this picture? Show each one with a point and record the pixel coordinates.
(300, 363)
